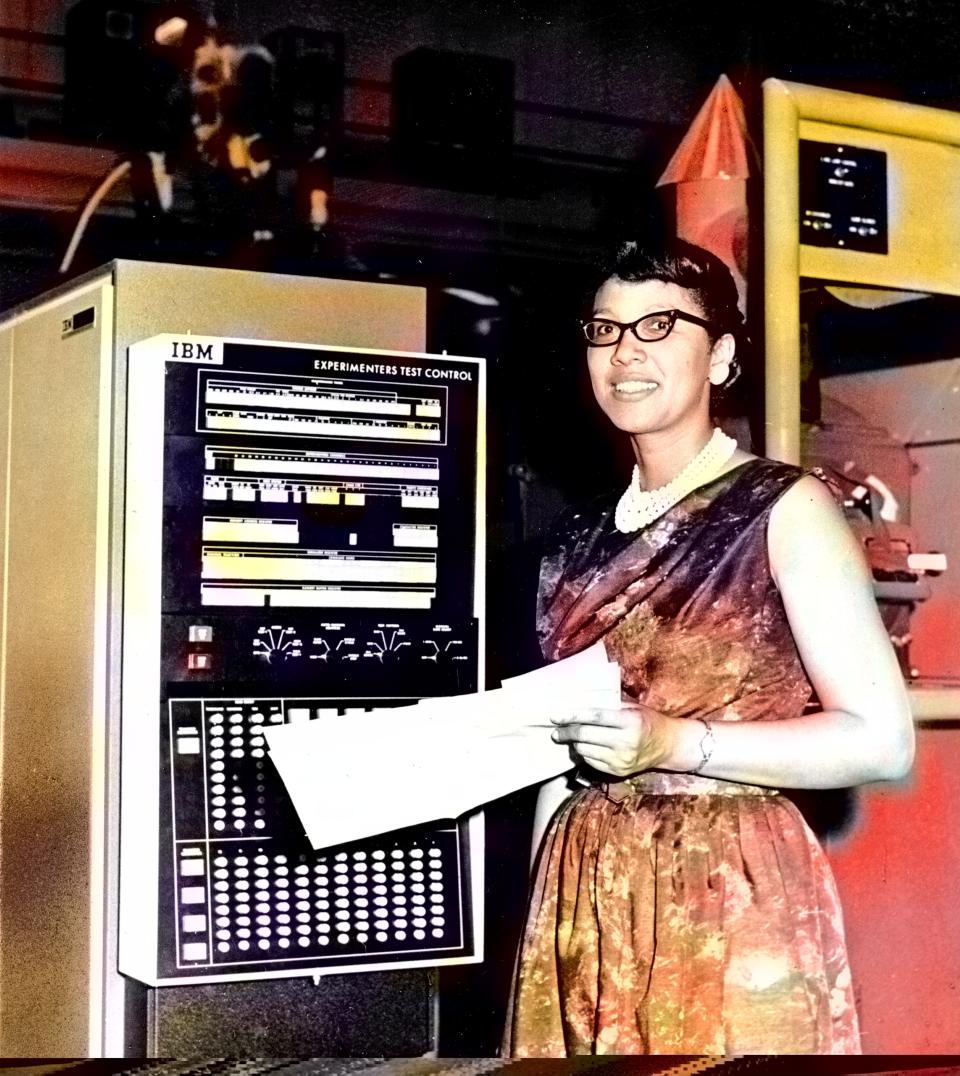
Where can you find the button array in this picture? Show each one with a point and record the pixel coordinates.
(265, 903)
(235, 765)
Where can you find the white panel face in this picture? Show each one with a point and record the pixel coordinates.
(935, 516)
(55, 688)
(304, 533)
(920, 402)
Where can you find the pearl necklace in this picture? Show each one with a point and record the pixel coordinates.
(638, 507)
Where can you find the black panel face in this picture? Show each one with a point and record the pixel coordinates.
(843, 197)
(319, 550)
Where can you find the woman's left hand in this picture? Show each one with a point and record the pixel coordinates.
(618, 742)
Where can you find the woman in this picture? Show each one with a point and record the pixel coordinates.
(681, 904)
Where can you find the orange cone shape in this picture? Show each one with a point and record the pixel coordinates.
(709, 171)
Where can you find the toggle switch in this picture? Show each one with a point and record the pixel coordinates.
(200, 633)
(199, 661)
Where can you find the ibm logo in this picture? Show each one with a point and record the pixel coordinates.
(185, 349)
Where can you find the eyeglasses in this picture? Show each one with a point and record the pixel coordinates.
(602, 332)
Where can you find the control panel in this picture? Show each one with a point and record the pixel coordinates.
(304, 541)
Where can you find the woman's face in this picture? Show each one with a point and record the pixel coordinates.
(648, 387)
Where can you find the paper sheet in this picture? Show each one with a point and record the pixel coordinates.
(358, 775)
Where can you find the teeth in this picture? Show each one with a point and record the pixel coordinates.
(634, 386)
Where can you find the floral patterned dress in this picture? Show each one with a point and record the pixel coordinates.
(674, 913)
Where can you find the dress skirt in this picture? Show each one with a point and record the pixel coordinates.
(675, 914)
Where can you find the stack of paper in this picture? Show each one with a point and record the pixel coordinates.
(361, 774)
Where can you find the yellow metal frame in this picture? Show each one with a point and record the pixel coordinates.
(785, 106)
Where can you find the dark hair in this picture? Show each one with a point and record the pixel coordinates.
(688, 266)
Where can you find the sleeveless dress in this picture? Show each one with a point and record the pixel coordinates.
(674, 913)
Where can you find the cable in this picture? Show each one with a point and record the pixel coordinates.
(116, 173)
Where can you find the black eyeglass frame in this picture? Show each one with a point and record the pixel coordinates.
(673, 315)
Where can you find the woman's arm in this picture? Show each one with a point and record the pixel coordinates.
(865, 730)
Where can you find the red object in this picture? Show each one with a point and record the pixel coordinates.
(709, 170)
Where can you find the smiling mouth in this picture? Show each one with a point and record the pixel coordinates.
(632, 390)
